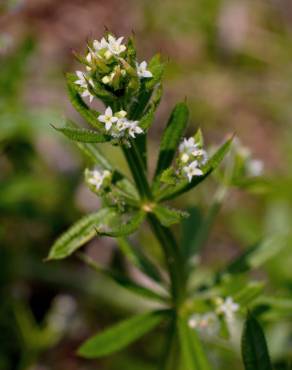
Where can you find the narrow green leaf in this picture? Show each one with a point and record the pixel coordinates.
(121, 335)
(82, 135)
(122, 227)
(79, 233)
(123, 280)
(193, 355)
(256, 255)
(172, 135)
(157, 68)
(168, 216)
(254, 347)
(78, 103)
(139, 259)
(94, 156)
(183, 186)
(190, 228)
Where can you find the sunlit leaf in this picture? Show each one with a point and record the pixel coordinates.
(79, 233)
(82, 135)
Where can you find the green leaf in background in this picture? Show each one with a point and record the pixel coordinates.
(79, 233)
(193, 355)
(183, 186)
(82, 135)
(171, 137)
(120, 226)
(256, 255)
(254, 348)
(121, 335)
(168, 216)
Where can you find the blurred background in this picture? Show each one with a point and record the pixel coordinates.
(232, 61)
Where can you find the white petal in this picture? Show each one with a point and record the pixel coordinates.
(108, 125)
(147, 74)
(114, 119)
(108, 112)
(102, 118)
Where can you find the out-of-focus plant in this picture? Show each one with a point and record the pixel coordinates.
(190, 306)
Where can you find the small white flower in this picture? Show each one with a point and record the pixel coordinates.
(188, 146)
(227, 308)
(98, 45)
(96, 178)
(83, 83)
(133, 128)
(115, 46)
(108, 118)
(142, 70)
(255, 167)
(206, 323)
(192, 170)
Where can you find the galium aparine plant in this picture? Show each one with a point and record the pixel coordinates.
(130, 91)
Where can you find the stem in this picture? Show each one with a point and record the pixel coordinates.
(172, 254)
(173, 259)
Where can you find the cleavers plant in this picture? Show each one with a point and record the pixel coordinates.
(131, 92)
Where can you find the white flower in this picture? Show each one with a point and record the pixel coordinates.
(192, 170)
(255, 167)
(115, 46)
(206, 323)
(108, 118)
(83, 83)
(142, 70)
(133, 128)
(188, 145)
(96, 178)
(98, 45)
(227, 308)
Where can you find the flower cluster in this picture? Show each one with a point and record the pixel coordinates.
(191, 158)
(108, 64)
(118, 126)
(97, 179)
(209, 322)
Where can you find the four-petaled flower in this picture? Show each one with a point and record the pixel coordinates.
(134, 129)
(108, 118)
(227, 307)
(142, 70)
(115, 46)
(97, 177)
(192, 170)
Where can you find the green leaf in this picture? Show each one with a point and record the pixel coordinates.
(183, 186)
(254, 347)
(249, 293)
(193, 355)
(168, 216)
(94, 156)
(156, 67)
(121, 335)
(139, 259)
(171, 137)
(190, 227)
(256, 255)
(78, 103)
(123, 281)
(82, 135)
(79, 233)
(122, 227)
